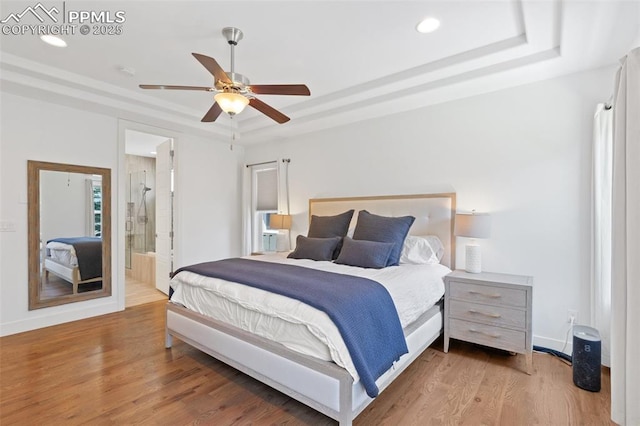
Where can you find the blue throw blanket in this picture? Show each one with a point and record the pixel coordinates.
(361, 309)
(89, 254)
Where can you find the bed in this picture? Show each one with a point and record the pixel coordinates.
(77, 260)
(326, 382)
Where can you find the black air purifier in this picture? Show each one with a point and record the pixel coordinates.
(586, 358)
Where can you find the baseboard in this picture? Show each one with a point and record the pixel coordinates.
(43, 318)
(554, 344)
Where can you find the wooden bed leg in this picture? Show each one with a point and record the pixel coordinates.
(76, 279)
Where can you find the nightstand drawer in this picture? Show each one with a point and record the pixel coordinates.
(494, 315)
(487, 335)
(488, 294)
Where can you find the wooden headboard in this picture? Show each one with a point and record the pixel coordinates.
(434, 214)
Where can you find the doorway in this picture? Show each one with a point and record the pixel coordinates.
(146, 203)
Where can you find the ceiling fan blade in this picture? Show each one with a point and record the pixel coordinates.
(280, 89)
(268, 111)
(166, 87)
(212, 66)
(212, 114)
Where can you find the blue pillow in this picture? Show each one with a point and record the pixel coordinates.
(330, 226)
(384, 229)
(315, 248)
(365, 254)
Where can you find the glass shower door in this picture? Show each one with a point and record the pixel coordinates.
(137, 216)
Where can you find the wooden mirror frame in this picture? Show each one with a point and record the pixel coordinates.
(35, 272)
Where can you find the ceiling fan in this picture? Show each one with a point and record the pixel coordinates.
(234, 91)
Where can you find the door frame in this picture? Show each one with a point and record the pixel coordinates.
(162, 280)
(118, 286)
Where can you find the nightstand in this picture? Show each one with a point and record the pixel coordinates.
(490, 309)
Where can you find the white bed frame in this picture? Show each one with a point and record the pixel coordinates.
(65, 271)
(323, 385)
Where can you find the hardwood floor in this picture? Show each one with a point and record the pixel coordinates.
(54, 286)
(137, 292)
(114, 369)
(140, 292)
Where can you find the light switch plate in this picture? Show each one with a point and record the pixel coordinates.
(7, 226)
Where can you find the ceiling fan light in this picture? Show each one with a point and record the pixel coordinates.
(231, 103)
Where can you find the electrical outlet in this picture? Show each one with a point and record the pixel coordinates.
(572, 316)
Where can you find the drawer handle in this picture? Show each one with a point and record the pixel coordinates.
(486, 314)
(494, 335)
(494, 295)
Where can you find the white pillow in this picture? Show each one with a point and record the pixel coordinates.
(422, 250)
(436, 245)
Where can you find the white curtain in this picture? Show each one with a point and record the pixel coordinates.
(89, 223)
(283, 186)
(284, 204)
(625, 295)
(601, 227)
(247, 218)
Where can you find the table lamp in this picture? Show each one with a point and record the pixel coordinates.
(473, 225)
(280, 221)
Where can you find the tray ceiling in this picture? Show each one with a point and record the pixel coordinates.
(361, 60)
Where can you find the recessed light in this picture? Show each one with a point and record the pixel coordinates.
(53, 40)
(127, 70)
(153, 152)
(428, 25)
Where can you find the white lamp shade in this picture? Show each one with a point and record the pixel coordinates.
(231, 103)
(280, 221)
(473, 225)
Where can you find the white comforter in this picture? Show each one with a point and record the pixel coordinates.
(300, 327)
(63, 253)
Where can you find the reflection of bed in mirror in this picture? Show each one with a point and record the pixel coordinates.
(77, 260)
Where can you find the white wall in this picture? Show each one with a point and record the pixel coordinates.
(63, 205)
(42, 131)
(208, 210)
(208, 193)
(522, 154)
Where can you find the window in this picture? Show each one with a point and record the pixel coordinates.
(96, 191)
(269, 236)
